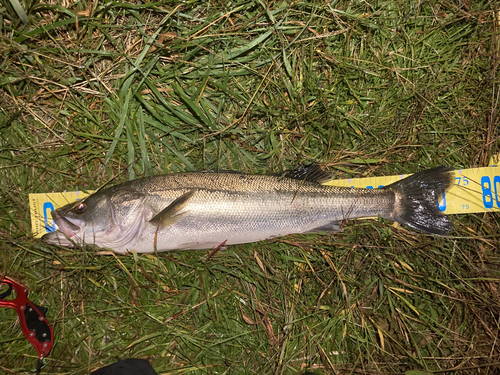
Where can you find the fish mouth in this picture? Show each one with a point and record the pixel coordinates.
(69, 228)
(67, 233)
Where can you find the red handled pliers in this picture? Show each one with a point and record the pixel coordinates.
(34, 325)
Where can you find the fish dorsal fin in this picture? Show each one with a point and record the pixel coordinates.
(170, 214)
(310, 172)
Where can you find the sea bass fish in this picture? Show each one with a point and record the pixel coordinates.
(201, 210)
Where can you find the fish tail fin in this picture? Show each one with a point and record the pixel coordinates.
(417, 199)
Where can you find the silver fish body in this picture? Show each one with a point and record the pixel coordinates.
(202, 210)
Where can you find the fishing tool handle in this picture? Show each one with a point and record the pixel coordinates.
(34, 325)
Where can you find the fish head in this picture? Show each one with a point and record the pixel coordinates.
(110, 218)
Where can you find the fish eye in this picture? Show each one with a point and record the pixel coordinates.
(81, 208)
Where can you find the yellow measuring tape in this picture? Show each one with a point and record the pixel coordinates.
(475, 190)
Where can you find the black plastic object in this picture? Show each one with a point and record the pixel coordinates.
(130, 366)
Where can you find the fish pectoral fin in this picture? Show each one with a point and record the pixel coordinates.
(331, 227)
(170, 214)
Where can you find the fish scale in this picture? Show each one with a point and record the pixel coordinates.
(282, 194)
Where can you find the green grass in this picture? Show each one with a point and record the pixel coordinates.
(366, 88)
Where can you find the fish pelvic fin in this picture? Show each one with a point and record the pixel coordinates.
(416, 200)
(170, 214)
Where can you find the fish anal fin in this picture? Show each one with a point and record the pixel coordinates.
(170, 214)
(331, 227)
